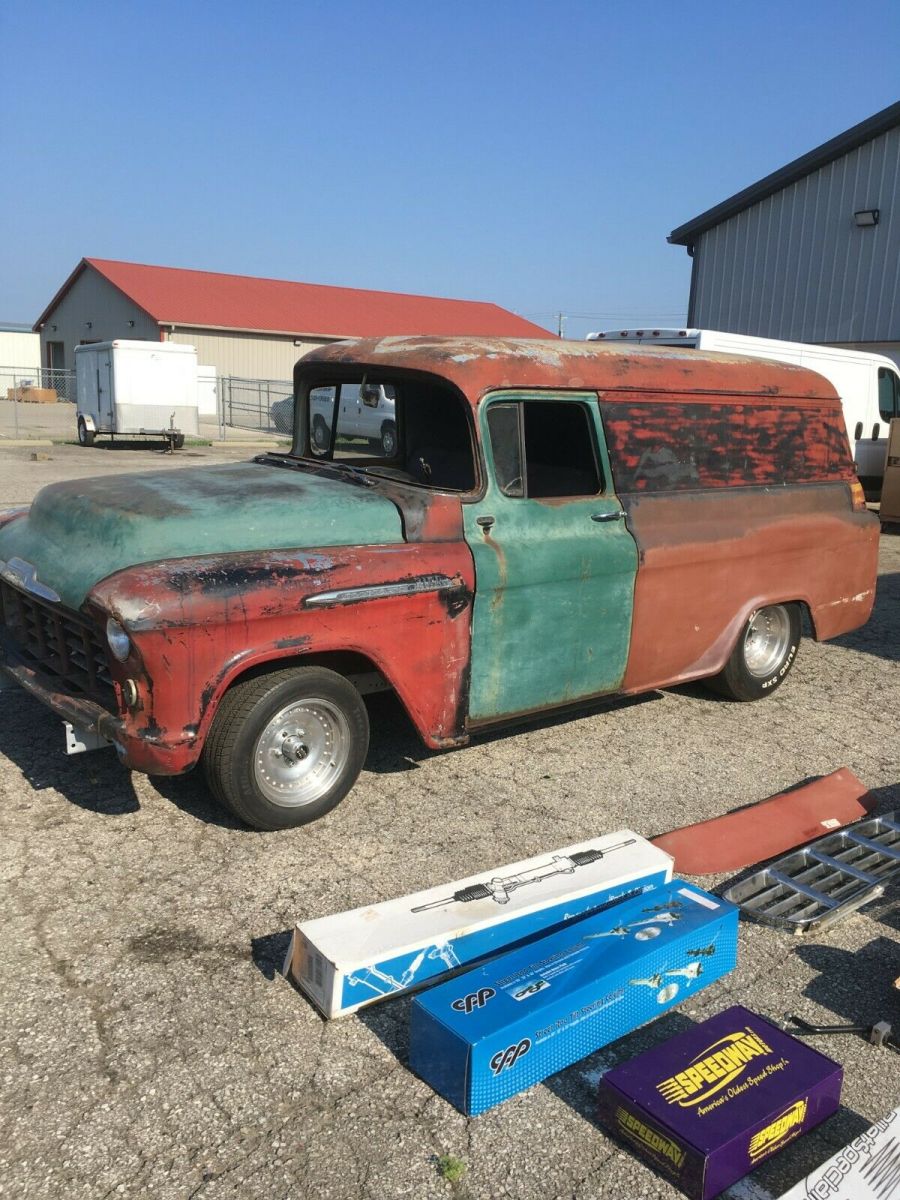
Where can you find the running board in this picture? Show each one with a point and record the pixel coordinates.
(816, 886)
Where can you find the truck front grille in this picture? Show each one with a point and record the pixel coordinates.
(59, 643)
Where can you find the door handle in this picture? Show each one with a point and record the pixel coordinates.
(485, 522)
(616, 515)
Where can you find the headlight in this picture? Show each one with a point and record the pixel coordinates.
(118, 639)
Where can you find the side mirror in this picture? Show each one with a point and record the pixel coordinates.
(370, 394)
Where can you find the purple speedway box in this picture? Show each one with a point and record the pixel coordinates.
(709, 1105)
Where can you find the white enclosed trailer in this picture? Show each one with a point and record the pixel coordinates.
(132, 388)
(868, 384)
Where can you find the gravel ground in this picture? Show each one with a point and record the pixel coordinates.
(149, 1046)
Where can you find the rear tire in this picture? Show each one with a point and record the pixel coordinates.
(178, 441)
(763, 656)
(389, 439)
(320, 435)
(85, 435)
(286, 747)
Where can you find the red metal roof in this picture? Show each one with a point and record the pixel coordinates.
(208, 299)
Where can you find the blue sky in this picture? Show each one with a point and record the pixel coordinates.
(533, 154)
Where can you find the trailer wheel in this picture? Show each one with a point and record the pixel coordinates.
(178, 441)
(286, 747)
(85, 435)
(764, 654)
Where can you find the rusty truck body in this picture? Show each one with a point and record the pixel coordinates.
(553, 522)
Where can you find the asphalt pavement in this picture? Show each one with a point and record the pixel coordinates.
(150, 1047)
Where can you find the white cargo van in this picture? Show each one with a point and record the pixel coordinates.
(134, 388)
(366, 411)
(868, 384)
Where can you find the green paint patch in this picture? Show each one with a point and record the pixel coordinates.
(80, 532)
(554, 590)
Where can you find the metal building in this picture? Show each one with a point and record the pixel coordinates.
(811, 253)
(241, 325)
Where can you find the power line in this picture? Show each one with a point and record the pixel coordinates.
(585, 316)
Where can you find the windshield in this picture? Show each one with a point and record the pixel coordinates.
(414, 430)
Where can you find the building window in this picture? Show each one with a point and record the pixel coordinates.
(56, 356)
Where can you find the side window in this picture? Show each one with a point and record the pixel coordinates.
(543, 449)
(888, 397)
(506, 445)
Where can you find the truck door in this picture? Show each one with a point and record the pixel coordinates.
(105, 394)
(554, 562)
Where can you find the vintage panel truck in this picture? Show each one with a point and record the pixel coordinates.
(552, 522)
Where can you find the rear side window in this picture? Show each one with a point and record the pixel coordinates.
(888, 394)
(676, 447)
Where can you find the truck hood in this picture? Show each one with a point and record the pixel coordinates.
(78, 533)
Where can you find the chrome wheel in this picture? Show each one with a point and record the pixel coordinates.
(321, 434)
(301, 752)
(766, 640)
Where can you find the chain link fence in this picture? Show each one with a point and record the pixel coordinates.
(263, 405)
(20, 384)
(35, 402)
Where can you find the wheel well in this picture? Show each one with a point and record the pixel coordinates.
(806, 616)
(805, 613)
(725, 647)
(359, 669)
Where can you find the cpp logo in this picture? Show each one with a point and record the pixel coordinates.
(467, 1004)
(510, 1056)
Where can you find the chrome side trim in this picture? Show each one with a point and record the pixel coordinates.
(23, 575)
(379, 591)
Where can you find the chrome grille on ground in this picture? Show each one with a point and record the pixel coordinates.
(811, 887)
(58, 643)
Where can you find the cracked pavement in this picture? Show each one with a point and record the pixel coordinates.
(150, 1047)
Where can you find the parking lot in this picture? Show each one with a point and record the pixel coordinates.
(150, 1047)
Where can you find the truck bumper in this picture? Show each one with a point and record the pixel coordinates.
(139, 753)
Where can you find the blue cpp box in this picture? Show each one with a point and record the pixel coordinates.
(495, 1030)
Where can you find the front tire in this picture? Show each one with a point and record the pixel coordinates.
(763, 656)
(286, 747)
(85, 435)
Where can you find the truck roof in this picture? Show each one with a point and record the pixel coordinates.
(477, 365)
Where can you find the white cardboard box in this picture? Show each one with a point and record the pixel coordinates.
(350, 959)
(866, 1169)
